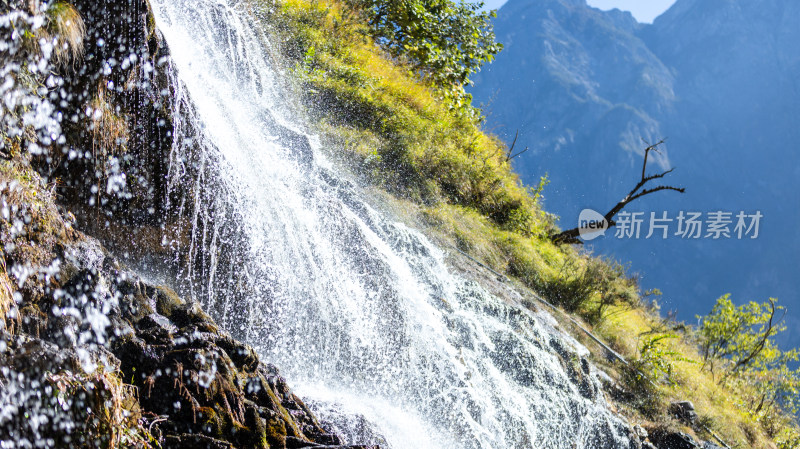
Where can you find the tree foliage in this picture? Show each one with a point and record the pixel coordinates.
(444, 41)
(743, 336)
(741, 341)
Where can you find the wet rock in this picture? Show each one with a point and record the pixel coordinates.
(683, 411)
(637, 436)
(673, 440)
(193, 441)
(710, 445)
(98, 327)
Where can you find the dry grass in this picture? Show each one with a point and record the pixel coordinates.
(66, 28)
(113, 418)
(109, 128)
(6, 294)
(719, 407)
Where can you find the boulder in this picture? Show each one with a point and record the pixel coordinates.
(683, 411)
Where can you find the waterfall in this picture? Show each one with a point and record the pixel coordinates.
(361, 313)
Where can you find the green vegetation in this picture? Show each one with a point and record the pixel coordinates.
(372, 100)
(108, 408)
(443, 41)
(388, 92)
(739, 341)
(742, 337)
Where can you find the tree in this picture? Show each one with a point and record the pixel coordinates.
(638, 191)
(444, 41)
(741, 340)
(743, 336)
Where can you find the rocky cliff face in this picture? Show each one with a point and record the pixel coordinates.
(91, 354)
(96, 356)
(583, 87)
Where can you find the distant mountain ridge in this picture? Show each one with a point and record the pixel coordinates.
(583, 87)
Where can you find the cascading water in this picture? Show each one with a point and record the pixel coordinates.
(360, 312)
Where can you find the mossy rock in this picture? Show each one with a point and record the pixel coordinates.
(167, 300)
(210, 422)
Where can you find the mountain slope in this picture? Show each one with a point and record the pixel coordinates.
(558, 82)
(716, 78)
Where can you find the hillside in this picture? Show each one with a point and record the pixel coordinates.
(570, 279)
(210, 192)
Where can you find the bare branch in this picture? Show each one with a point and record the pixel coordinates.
(759, 347)
(571, 235)
(510, 154)
(650, 147)
(655, 189)
(518, 154)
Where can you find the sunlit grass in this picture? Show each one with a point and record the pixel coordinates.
(719, 407)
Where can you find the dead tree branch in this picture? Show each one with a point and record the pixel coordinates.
(638, 191)
(510, 154)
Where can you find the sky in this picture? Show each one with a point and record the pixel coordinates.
(643, 10)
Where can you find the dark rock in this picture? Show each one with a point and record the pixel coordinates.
(194, 441)
(346, 447)
(683, 411)
(710, 445)
(199, 387)
(673, 440)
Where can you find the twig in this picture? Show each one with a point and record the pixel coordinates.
(571, 235)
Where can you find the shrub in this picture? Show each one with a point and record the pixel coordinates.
(742, 337)
(590, 285)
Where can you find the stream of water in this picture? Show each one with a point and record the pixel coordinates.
(361, 313)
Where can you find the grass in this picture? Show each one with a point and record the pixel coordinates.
(399, 134)
(719, 408)
(63, 28)
(65, 24)
(109, 408)
(31, 225)
(6, 294)
(395, 129)
(108, 126)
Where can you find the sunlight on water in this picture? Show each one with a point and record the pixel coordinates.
(359, 312)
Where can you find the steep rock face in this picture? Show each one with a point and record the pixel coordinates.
(715, 78)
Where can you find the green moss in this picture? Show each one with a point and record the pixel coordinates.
(210, 422)
(30, 203)
(167, 301)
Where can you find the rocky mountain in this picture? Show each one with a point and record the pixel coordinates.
(583, 87)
